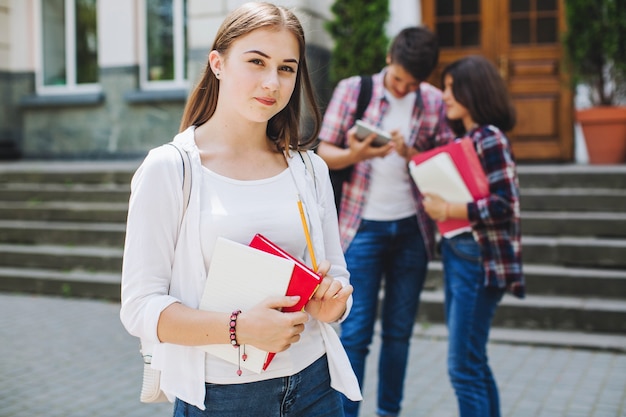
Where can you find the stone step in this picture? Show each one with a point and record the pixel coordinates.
(541, 279)
(68, 172)
(562, 251)
(70, 284)
(62, 233)
(543, 313)
(62, 258)
(534, 312)
(35, 193)
(572, 176)
(557, 281)
(559, 223)
(573, 199)
(530, 175)
(585, 252)
(601, 224)
(65, 211)
(545, 338)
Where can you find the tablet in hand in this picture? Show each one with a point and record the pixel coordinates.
(364, 129)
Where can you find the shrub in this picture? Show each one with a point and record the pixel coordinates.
(358, 30)
(595, 43)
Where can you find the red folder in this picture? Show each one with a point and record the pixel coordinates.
(304, 281)
(467, 163)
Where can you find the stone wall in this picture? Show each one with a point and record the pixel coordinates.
(119, 122)
(13, 85)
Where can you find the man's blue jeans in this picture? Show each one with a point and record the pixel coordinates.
(394, 250)
(470, 307)
(307, 393)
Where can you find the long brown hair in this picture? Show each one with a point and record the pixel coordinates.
(477, 85)
(284, 127)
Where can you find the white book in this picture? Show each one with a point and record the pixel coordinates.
(439, 175)
(240, 277)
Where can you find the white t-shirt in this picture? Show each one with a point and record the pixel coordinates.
(389, 196)
(237, 210)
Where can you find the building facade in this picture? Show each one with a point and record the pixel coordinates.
(88, 79)
(108, 79)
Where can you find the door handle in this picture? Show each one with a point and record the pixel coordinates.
(503, 66)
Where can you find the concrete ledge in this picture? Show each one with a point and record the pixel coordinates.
(64, 100)
(150, 96)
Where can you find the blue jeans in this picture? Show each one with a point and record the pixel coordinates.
(394, 250)
(470, 307)
(307, 393)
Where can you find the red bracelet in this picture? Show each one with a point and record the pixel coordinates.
(233, 328)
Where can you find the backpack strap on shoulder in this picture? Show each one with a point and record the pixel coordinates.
(365, 95)
(184, 156)
(308, 163)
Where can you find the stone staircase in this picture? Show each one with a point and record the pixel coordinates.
(574, 253)
(62, 227)
(62, 232)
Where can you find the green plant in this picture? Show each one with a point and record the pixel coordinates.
(595, 43)
(66, 290)
(358, 29)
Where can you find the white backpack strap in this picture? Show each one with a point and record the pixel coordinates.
(150, 388)
(308, 163)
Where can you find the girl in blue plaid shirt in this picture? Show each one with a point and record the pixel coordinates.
(481, 264)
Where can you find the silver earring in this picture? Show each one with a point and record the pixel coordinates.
(217, 75)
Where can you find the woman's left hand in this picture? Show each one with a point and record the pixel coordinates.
(329, 300)
(435, 206)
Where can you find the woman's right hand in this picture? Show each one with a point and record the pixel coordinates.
(264, 326)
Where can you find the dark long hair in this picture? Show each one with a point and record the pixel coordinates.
(477, 85)
(284, 127)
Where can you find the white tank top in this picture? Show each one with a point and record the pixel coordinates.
(237, 210)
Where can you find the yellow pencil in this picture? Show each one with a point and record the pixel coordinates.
(307, 234)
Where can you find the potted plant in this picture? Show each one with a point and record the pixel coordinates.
(595, 43)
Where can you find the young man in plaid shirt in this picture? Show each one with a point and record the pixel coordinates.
(386, 235)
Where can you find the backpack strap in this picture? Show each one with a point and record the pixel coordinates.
(151, 384)
(306, 159)
(365, 95)
(339, 176)
(184, 156)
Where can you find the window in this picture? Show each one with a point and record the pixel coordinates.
(165, 51)
(458, 23)
(69, 46)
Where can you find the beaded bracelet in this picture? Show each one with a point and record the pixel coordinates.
(233, 328)
(233, 339)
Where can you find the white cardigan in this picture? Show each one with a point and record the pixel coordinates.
(159, 269)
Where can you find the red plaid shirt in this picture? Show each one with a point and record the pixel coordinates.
(428, 130)
(496, 219)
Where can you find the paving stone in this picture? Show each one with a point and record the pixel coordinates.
(72, 358)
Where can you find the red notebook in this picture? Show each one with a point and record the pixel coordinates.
(304, 281)
(469, 168)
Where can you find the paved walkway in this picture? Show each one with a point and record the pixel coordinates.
(72, 358)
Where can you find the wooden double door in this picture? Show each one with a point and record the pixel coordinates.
(523, 39)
